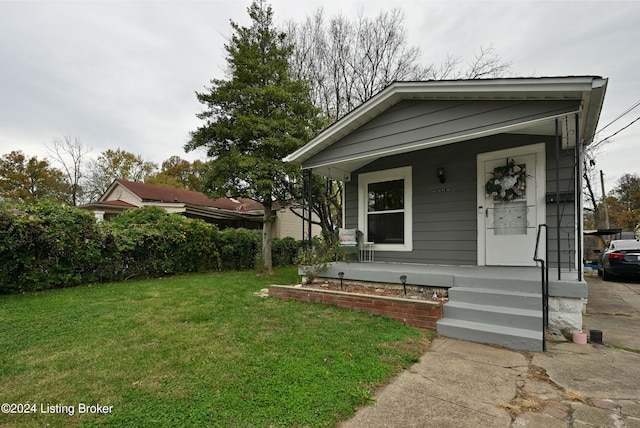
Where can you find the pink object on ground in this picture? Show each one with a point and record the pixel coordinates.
(580, 337)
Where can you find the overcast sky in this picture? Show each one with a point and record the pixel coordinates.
(123, 74)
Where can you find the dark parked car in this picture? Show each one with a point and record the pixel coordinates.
(620, 258)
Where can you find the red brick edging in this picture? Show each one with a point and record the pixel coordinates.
(416, 313)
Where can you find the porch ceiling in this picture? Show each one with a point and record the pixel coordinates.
(587, 93)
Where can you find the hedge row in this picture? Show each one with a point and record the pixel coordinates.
(48, 245)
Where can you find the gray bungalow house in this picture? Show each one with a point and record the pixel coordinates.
(473, 186)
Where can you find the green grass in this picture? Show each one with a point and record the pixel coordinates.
(198, 350)
(626, 348)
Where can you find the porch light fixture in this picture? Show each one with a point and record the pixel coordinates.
(440, 175)
(403, 280)
(341, 276)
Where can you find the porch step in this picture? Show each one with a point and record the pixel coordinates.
(495, 297)
(507, 283)
(496, 315)
(510, 337)
(510, 318)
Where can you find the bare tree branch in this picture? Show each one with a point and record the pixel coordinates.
(69, 153)
(346, 62)
(487, 63)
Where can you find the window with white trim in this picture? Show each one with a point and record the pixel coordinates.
(385, 203)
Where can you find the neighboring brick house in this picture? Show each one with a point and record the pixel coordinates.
(224, 212)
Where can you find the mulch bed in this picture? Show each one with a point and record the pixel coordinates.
(413, 294)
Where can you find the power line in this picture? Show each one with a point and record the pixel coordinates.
(627, 111)
(619, 130)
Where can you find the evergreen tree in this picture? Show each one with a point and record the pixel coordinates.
(255, 118)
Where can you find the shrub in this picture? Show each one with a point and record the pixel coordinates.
(284, 251)
(50, 245)
(242, 249)
(47, 245)
(315, 260)
(150, 242)
(239, 248)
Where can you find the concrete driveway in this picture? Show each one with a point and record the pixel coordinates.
(465, 384)
(614, 309)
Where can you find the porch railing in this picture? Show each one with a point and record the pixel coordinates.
(544, 280)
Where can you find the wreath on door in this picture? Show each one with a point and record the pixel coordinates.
(508, 182)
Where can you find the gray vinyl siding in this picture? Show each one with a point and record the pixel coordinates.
(568, 223)
(412, 122)
(445, 222)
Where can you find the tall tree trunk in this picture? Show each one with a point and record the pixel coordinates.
(266, 239)
(591, 196)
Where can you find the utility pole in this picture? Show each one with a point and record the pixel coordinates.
(604, 202)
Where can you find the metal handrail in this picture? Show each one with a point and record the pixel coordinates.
(545, 280)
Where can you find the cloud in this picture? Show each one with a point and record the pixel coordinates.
(124, 74)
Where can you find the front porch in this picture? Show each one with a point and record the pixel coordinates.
(447, 276)
(501, 305)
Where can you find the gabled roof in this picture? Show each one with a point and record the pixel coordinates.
(152, 193)
(156, 193)
(586, 93)
(124, 194)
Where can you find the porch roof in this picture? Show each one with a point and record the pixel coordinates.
(464, 101)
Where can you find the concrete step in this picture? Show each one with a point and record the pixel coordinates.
(494, 297)
(510, 337)
(498, 315)
(525, 285)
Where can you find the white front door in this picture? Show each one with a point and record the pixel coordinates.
(511, 205)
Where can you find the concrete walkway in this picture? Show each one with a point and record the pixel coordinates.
(465, 384)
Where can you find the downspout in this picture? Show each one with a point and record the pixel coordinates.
(558, 199)
(578, 199)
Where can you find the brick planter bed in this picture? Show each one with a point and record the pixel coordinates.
(416, 313)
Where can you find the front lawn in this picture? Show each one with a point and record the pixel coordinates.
(197, 350)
